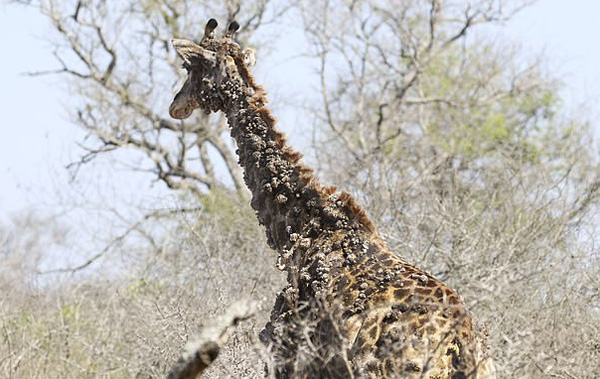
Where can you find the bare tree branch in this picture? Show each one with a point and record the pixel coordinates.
(205, 349)
(119, 239)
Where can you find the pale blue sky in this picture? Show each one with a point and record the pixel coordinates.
(38, 140)
(568, 31)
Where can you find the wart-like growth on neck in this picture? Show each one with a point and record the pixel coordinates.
(286, 195)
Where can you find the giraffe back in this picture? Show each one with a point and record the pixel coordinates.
(376, 317)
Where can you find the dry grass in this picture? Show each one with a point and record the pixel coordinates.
(137, 325)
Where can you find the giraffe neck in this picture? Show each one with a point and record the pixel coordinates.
(287, 198)
(283, 190)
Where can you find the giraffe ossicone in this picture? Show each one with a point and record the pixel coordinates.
(352, 308)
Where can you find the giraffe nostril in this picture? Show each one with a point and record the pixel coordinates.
(180, 113)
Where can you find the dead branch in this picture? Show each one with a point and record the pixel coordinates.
(206, 348)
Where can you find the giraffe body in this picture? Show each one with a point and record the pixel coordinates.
(352, 308)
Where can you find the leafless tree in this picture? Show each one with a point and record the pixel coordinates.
(119, 61)
(121, 73)
(470, 165)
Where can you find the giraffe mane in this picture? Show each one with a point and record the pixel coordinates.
(306, 173)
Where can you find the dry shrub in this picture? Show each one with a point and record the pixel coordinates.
(136, 324)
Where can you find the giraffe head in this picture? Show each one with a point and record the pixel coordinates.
(212, 66)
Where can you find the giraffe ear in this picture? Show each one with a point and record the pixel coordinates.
(190, 52)
(210, 26)
(233, 27)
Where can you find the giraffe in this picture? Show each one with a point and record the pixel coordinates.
(351, 307)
